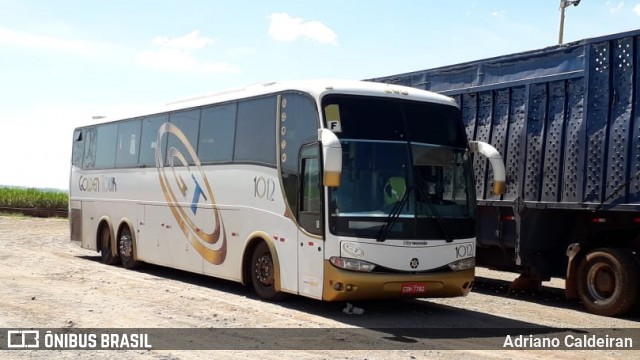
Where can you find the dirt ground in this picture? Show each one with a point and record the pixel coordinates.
(48, 282)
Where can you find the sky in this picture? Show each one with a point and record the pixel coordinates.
(65, 62)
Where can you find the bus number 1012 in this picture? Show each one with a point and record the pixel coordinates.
(263, 188)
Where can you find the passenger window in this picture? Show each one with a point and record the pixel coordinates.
(149, 139)
(106, 146)
(128, 143)
(255, 131)
(189, 123)
(217, 132)
(298, 125)
(78, 148)
(89, 157)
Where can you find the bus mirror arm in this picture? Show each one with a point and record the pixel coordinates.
(497, 164)
(331, 157)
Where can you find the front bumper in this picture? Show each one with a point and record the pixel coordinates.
(343, 285)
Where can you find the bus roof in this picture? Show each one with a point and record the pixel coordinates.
(316, 88)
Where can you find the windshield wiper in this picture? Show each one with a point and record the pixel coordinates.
(424, 194)
(393, 216)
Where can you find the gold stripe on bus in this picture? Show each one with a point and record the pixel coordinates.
(196, 236)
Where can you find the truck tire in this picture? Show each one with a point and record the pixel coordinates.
(607, 280)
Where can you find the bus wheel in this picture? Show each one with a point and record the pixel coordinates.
(607, 280)
(126, 249)
(106, 256)
(262, 273)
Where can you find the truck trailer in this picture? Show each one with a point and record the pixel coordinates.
(566, 120)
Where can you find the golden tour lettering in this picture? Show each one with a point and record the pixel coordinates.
(98, 184)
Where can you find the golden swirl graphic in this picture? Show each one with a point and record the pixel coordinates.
(199, 239)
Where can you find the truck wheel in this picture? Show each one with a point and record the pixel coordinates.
(106, 256)
(607, 280)
(263, 273)
(126, 249)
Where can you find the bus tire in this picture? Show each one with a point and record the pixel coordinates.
(607, 280)
(126, 249)
(263, 273)
(106, 255)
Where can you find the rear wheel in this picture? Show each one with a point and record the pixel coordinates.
(263, 273)
(106, 255)
(607, 280)
(126, 249)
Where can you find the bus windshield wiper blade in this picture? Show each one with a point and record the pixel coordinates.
(436, 214)
(393, 216)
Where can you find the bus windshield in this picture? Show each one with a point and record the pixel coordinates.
(405, 167)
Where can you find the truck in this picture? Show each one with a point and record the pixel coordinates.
(566, 120)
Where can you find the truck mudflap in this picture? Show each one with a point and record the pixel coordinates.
(570, 288)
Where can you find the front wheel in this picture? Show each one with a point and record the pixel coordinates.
(607, 280)
(263, 273)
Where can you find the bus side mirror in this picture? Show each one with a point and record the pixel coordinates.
(331, 157)
(495, 159)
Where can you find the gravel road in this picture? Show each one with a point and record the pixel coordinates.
(47, 282)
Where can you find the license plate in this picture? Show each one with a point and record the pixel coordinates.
(413, 288)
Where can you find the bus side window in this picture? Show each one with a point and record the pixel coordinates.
(298, 125)
(188, 121)
(149, 139)
(106, 146)
(90, 143)
(78, 149)
(310, 217)
(255, 131)
(217, 129)
(128, 145)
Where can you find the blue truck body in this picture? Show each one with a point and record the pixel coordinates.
(566, 121)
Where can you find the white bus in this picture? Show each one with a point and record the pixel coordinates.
(334, 190)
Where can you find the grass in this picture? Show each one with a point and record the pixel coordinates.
(30, 201)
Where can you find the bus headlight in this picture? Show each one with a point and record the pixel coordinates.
(463, 264)
(352, 264)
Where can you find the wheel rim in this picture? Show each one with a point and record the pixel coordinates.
(264, 270)
(126, 245)
(601, 282)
